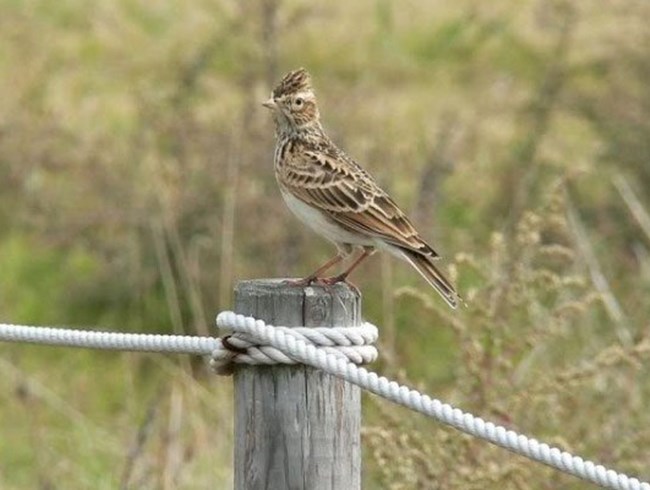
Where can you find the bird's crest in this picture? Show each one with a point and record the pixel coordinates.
(294, 81)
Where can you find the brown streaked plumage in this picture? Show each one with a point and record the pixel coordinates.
(334, 196)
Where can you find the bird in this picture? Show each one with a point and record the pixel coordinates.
(333, 195)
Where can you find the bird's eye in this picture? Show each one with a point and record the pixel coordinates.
(298, 102)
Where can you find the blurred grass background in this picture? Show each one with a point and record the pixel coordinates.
(136, 187)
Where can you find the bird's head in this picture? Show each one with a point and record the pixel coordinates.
(293, 102)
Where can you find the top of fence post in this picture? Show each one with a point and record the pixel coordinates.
(296, 427)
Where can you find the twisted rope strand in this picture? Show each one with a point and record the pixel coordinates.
(179, 344)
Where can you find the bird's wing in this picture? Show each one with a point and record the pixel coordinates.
(333, 183)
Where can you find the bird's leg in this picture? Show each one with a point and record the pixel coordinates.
(342, 277)
(313, 277)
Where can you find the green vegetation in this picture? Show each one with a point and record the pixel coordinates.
(135, 187)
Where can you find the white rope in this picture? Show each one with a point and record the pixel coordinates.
(350, 343)
(179, 344)
(295, 347)
(353, 344)
(299, 345)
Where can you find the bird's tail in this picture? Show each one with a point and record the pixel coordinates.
(424, 265)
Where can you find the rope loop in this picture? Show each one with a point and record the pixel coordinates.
(352, 344)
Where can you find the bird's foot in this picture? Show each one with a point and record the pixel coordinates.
(326, 282)
(331, 281)
(301, 283)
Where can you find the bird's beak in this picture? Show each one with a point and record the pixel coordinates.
(269, 104)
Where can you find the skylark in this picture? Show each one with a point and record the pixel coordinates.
(333, 195)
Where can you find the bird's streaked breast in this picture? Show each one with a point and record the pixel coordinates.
(321, 224)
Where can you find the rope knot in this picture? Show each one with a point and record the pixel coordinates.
(244, 343)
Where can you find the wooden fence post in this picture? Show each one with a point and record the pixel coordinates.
(296, 427)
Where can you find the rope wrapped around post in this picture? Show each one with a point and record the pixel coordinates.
(353, 344)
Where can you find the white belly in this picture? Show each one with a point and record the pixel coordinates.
(319, 222)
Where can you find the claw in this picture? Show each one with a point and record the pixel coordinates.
(331, 281)
(325, 282)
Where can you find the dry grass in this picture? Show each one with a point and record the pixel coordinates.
(136, 186)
